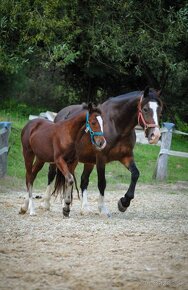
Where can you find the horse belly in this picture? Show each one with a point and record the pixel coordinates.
(84, 158)
(118, 152)
(87, 155)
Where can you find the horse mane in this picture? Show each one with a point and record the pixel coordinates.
(91, 107)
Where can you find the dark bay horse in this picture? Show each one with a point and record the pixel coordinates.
(120, 114)
(45, 141)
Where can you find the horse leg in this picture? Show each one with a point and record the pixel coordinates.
(48, 193)
(35, 169)
(68, 187)
(84, 184)
(101, 186)
(68, 192)
(28, 159)
(124, 202)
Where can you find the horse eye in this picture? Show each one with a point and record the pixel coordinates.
(145, 110)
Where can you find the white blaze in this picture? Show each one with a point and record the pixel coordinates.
(154, 106)
(100, 120)
(156, 132)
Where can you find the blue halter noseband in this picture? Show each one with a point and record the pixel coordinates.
(92, 134)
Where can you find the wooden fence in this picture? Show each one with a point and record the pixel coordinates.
(162, 161)
(4, 135)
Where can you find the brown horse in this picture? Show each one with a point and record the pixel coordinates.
(45, 141)
(120, 114)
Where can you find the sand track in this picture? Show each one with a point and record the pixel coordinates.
(143, 248)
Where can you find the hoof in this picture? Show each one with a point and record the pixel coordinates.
(33, 213)
(45, 205)
(22, 210)
(104, 211)
(121, 207)
(66, 212)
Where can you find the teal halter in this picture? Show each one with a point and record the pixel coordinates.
(92, 134)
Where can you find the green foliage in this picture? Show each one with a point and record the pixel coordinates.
(181, 125)
(68, 51)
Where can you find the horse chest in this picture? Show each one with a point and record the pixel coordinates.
(121, 149)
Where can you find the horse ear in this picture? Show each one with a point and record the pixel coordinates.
(146, 91)
(90, 107)
(159, 92)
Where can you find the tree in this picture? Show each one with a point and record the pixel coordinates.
(95, 49)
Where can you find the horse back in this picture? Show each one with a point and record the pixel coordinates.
(67, 111)
(37, 132)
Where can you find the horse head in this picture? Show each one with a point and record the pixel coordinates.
(149, 112)
(94, 125)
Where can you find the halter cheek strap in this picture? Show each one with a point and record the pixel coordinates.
(91, 132)
(141, 119)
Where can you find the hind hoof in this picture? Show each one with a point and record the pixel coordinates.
(22, 210)
(121, 207)
(66, 212)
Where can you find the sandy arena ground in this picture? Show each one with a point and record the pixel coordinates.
(143, 248)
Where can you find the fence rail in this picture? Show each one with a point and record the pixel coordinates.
(160, 172)
(4, 135)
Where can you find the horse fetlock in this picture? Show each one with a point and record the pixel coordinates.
(69, 180)
(31, 207)
(85, 208)
(68, 198)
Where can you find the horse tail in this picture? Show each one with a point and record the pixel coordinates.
(59, 186)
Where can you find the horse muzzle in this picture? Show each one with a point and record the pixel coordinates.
(100, 143)
(153, 135)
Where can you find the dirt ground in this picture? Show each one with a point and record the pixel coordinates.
(143, 248)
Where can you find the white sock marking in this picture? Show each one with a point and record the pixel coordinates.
(84, 198)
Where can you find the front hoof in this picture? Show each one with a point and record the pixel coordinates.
(45, 205)
(66, 212)
(22, 210)
(121, 207)
(33, 213)
(103, 210)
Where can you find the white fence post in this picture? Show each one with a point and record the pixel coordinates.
(4, 134)
(162, 161)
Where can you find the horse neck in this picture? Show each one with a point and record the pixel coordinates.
(124, 114)
(75, 124)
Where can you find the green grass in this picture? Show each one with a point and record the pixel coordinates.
(116, 174)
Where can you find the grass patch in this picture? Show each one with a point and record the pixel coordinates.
(116, 174)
